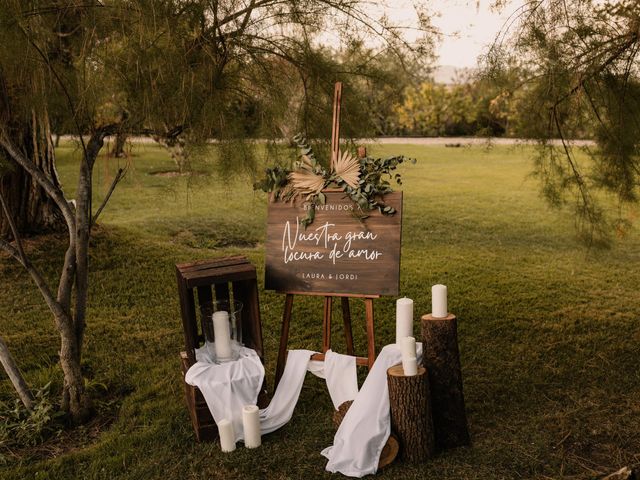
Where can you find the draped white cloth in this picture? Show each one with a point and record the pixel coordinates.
(229, 386)
(365, 428)
(357, 444)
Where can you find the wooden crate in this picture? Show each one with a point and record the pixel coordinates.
(227, 278)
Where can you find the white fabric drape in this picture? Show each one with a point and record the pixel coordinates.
(341, 376)
(365, 428)
(229, 386)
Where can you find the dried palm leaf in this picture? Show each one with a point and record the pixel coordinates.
(305, 182)
(305, 163)
(347, 167)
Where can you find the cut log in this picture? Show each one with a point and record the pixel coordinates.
(411, 413)
(441, 358)
(339, 414)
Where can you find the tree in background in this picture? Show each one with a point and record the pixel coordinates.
(581, 61)
(154, 68)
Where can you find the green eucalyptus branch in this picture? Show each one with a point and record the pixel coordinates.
(376, 178)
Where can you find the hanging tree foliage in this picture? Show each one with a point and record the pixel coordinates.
(132, 67)
(580, 61)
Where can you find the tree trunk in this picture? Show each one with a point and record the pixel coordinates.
(118, 146)
(32, 209)
(74, 400)
(441, 358)
(15, 376)
(410, 407)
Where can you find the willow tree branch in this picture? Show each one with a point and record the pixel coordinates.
(11, 367)
(119, 176)
(12, 226)
(38, 175)
(37, 278)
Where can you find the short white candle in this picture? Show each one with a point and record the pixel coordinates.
(222, 335)
(410, 366)
(408, 347)
(251, 425)
(439, 301)
(404, 318)
(227, 435)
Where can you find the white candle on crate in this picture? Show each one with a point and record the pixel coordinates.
(408, 347)
(404, 318)
(227, 435)
(251, 425)
(410, 366)
(439, 301)
(222, 335)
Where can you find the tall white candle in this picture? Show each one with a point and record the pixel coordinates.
(227, 435)
(439, 301)
(408, 347)
(222, 335)
(410, 366)
(404, 318)
(251, 425)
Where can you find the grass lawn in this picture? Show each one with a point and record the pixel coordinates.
(549, 332)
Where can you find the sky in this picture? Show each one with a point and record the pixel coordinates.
(467, 26)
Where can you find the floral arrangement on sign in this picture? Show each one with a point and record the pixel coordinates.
(365, 180)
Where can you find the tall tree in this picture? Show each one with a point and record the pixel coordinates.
(583, 71)
(103, 68)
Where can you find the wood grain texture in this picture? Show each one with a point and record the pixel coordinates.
(410, 408)
(441, 358)
(322, 259)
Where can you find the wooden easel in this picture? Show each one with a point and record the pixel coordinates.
(328, 297)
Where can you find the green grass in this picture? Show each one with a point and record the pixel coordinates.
(549, 332)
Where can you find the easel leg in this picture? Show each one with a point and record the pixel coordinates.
(371, 341)
(346, 317)
(284, 338)
(326, 324)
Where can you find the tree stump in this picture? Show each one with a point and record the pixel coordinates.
(411, 413)
(339, 414)
(441, 358)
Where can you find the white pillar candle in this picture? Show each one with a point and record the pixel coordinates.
(439, 301)
(222, 335)
(404, 318)
(251, 425)
(227, 436)
(410, 366)
(408, 347)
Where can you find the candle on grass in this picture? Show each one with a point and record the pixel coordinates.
(439, 301)
(222, 335)
(404, 318)
(410, 366)
(251, 425)
(408, 347)
(227, 435)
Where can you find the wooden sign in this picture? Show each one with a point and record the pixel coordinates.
(337, 253)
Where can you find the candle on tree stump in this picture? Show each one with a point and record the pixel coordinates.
(410, 366)
(251, 425)
(404, 318)
(227, 436)
(408, 347)
(222, 335)
(439, 301)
